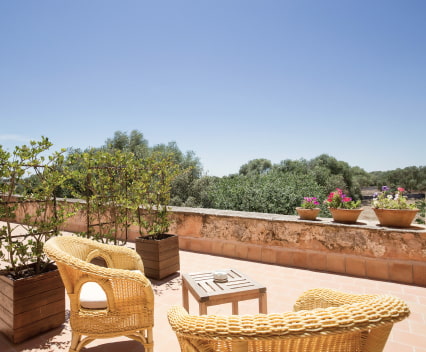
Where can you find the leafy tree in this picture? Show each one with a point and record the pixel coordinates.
(182, 191)
(189, 164)
(256, 166)
(134, 142)
(411, 178)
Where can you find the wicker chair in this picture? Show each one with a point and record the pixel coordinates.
(323, 320)
(128, 309)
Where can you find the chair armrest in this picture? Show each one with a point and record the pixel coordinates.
(324, 298)
(375, 311)
(126, 258)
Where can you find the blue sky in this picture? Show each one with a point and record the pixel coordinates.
(231, 80)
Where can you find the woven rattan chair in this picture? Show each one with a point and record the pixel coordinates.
(128, 307)
(323, 320)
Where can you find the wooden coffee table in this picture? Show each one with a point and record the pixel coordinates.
(207, 292)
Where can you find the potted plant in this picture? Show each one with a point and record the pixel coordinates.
(158, 249)
(32, 293)
(393, 209)
(343, 208)
(309, 208)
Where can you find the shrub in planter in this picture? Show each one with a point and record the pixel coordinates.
(29, 219)
(159, 251)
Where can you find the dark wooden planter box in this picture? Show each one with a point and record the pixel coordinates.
(31, 305)
(160, 257)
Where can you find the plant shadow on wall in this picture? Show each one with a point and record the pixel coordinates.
(28, 184)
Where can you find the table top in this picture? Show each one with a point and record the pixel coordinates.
(204, 287)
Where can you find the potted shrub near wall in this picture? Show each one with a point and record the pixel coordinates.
(158, 249)
(32, 296)
(392, 208)
(342, 208)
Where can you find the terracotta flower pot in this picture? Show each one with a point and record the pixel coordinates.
(308, 214)
(345, 216)
(395, 217)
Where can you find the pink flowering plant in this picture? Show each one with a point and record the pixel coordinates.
(310, 203)
(338, 199)
(391, 200)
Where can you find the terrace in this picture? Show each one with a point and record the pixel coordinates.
(281, 269)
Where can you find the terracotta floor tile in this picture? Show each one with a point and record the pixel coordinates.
(410, 339)
(283, 284)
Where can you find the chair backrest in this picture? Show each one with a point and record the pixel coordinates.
(73, 256)
(324, 320)
(117, 300)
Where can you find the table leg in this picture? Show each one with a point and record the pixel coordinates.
(235, 308)
(185, 299)
(263, 303)
(203, 308)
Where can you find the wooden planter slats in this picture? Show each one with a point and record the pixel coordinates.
(31, 306)
(160, 257)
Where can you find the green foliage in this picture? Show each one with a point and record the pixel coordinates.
(182, 186)
(120, 189)
(310, 203)
(28, 171)
(256, 167)
(338, 199)
(421, 205)
(273, 192)
(134, 142)
(101, 178)
(151, 189)
(391, 200)
(411, 178)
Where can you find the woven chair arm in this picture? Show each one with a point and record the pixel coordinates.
(126, 258)
(101, 273)
(324, 298)
(379, 310)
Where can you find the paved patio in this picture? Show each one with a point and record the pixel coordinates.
(284, 285)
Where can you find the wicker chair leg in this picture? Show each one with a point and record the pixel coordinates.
(75, 340)
(150, 340)
(376, 340)
(145, 337)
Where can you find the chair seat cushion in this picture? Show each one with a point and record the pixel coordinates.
(92, 296)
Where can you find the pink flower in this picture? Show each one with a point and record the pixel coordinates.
(346, 199)
(400, 189)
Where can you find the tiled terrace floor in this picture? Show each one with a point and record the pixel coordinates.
(284, 285)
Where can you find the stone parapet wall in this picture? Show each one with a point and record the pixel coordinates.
(285, 231)
(362, 249)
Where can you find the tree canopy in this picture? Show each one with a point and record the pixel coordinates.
(260, 185)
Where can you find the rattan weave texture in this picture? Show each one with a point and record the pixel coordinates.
(323, 320)
(130, 297)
